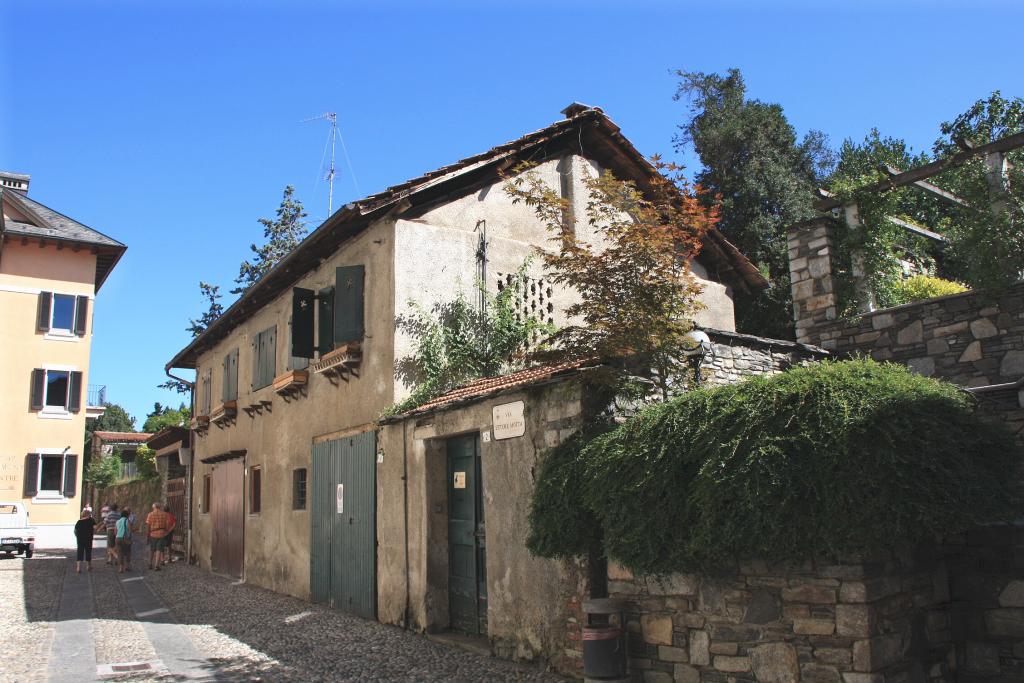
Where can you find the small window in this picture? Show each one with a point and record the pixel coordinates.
(299, 489)
(63, 313)
(57, 382)
(204, 504)
(255, 486)
(51, 475)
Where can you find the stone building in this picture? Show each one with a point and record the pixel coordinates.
(291, 488)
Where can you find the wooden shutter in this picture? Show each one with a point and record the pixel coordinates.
(43, 311)
(270, 356)
(348, 304)
(257, 343)
(31, 484)
(81, 315)
(302, 323)
(325, 321)
(70, 475)
(38, 388)
(229, 388)
(208, 391)
(74, 392)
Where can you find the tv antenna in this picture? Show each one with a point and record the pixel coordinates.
(332, 117)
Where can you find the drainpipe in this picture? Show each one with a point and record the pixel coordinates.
(405, 511)
(191, 461)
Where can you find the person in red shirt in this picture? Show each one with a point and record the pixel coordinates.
(172, 524)
(157, 523)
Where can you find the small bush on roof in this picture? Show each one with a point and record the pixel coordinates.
(829, 459)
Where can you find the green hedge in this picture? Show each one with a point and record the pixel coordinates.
(829, 459)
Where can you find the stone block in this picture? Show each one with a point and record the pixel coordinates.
(937, 347)
(981, 658)
(1008, 622)
(667, 653)
(1012, 595)
(971, 353)
(809, 593)
(798, 263)
(796, 611)
(616, 572)
(700, 653)
(774, 663)
(1012, 364)
(870, 590)
(815, 303)
(833, 655)
(924, 366)
(877, 653)
(911, 334)
(854, 620)
(658, 677)
(813, 627)
(762, 608)
(684, 673)
(657, 629)
(720, 648)
(732, 664)
(881, 321)
(674, 584)
(983, 328)
(819, 673)
(949, 330)
(735, 632)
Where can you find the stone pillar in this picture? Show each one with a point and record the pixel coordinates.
(810, 272)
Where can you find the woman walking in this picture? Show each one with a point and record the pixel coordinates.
(124, 542)
(85, 528)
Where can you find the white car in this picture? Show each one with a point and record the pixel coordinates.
(16, 536)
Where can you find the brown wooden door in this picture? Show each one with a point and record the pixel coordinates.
(227, 512)
(176, 502)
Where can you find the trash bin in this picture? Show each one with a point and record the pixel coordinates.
(604, 642)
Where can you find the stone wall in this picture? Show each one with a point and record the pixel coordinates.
(878, 619)
(138, 495)
(735, 356)
(971, 339)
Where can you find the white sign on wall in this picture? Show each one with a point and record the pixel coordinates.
(508, 420)
(340, 498)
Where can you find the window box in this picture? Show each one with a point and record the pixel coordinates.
(340, 362)
(224, 413)
(291, 383)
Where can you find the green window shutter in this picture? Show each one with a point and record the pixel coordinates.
(70, 475)
(81, 315)
(264, 358)
(38, 388)
(255, 376)
(233, 374)
(75, 392)
(270, 361)
(43, 312)
(325, 321)
(348, 303)
(31, 482)
(302, 323)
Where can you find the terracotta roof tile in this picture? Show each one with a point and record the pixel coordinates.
(123, 436)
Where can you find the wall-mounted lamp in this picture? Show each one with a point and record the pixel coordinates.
(701, 349)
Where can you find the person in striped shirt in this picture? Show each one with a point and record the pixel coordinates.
(110, 525)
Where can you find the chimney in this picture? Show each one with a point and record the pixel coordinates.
(17, 182)
(576, 108)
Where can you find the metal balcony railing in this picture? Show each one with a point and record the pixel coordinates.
(97, 395)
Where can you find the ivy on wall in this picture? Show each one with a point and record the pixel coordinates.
(824, 460)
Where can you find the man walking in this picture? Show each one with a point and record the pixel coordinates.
(110, 524)
(158, 523)
(172, 524)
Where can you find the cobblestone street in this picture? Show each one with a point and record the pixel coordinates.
(186, 624)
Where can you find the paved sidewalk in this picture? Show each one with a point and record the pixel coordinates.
(184, 624)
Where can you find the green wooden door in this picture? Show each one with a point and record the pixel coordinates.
(467, 553)
(343, 553)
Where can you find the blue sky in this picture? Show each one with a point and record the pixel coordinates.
(174, 126)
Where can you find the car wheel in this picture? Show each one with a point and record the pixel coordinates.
(28, 553)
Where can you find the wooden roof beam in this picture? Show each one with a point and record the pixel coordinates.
(930, 169)
(892, 172)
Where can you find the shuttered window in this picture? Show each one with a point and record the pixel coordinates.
(255, 490)
(300, 362)
(229, 386)
(65, 314)
(204, 504)
(325, 321)
(348, 304)
(205, 391)
(299, 489)
(55, 391)
(264, 357)
(51, 475)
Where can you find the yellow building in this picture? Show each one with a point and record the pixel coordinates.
(51, 267)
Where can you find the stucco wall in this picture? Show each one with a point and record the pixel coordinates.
(527, 596)
(280, 439)
(25, 270)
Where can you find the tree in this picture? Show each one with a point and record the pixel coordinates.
(282, 234)
(165, 416)
(114, 419)
(458, 341)
(213, 311)
(637, 297)
(759, 176)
